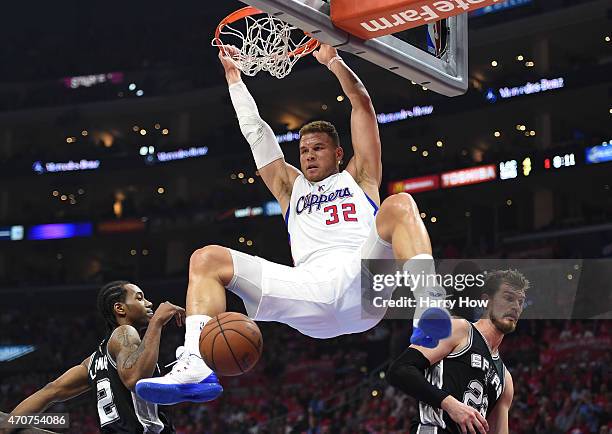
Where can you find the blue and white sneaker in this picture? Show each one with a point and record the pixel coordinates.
(434, 324)
(189, 380)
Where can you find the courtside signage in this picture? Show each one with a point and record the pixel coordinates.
(403, 114)
(559, 161)
(58, 231)
(92, 80)
(474, 175)
(598, 154)
(415, 185)
(68, 166)
(13, 233)
(508, 4)
(512, 169)
(118, 226)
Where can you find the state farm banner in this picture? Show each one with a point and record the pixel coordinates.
(374, 18)
(415, 185)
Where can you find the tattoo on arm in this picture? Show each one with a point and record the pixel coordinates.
(125, 340)
(133, 358)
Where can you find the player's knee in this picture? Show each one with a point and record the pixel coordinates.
(209, 260)
(399, 207)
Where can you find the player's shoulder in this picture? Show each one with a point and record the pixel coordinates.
(123, 330)
(122, 336)
(460, 327)
(460, 335)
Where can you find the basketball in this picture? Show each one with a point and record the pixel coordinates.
(231, 344)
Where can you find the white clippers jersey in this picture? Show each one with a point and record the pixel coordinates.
(330, 216)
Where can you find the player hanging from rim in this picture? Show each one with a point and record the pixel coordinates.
(466, 387)
(334, 220)
(121, 359)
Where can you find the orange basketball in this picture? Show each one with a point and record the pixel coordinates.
(231, 344)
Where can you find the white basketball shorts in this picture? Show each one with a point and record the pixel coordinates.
(321, 300)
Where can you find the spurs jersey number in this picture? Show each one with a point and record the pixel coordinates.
(107, 410)
(475, 398)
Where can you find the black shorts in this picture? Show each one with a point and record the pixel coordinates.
(417, 428)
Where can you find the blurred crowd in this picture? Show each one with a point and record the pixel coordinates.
(560, 372)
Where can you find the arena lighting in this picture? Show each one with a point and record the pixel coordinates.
(526, 166)
(179, 154)
(598, 154)
(120, 226)
(57, 231)
(92, 80)
(508, 169)
(68, 166)
(559, 161)
(543, 85)
(12, 352)
(248, 212)
(414, 112)
(473, 175)
(498, 7)
(272, 208)
(13, 233)
(146, 150)
(383, 118)
(415, 185)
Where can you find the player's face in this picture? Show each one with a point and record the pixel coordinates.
(319, 156)
(138, 310)
(506, 307)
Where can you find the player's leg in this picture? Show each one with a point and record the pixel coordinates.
(399, 222)
(210, 270)
(299, 297)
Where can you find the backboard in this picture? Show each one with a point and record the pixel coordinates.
(447, 75)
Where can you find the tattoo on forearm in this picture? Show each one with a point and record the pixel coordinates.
(133, 358)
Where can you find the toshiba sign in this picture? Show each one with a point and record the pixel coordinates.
(415, 185)
(374, 18)
(474, 175)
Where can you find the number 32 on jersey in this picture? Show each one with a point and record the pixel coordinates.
(347, 211)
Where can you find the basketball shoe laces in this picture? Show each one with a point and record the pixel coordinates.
(182, 362)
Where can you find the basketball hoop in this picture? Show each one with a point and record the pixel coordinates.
(267, 44)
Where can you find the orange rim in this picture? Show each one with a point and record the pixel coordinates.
(305, 48)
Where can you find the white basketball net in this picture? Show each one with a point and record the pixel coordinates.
(266, 45)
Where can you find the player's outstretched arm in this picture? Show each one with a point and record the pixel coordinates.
(498, 419)
(71, 383)
(366, 165)
(275, 172)
(136, 358)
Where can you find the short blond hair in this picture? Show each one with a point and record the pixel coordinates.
(321, 127)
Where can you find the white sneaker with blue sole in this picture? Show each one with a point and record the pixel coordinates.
(190, 380)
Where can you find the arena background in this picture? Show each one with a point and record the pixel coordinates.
(115, 121)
